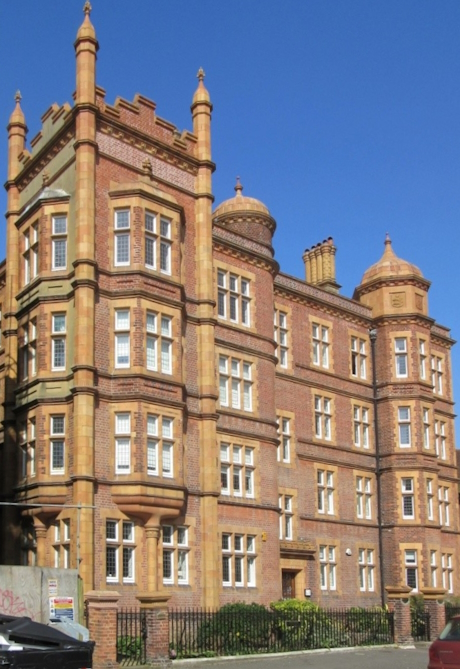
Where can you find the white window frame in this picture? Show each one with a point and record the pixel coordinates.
(284, 436)
(411, 564)
(233, 298)
(328, 567)
(422, 359)
(122, 232)
(358, 358)
(401, 358)
(58, 336)
(122, 339)
(408, 493)
(320, 345)
(323, 417)
(150, 238)
(165, 245)
(55, 443)
(366, 568)
(325, 491)
(235, 383)
(58, 239)
(281, 337)
(404, 426)
(122, 443)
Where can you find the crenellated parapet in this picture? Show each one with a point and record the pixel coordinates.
(140, 115)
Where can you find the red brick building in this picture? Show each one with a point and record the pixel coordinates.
(179, 415)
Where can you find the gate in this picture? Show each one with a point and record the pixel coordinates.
(420, 624)
(131, 637)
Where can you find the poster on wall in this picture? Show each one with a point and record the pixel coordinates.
(62, 607)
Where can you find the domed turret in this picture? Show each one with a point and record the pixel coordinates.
(246, 216)
(389, 266)
(393, 286)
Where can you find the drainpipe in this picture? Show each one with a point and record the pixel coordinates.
(373, 338)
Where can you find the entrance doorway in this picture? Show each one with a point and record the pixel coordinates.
(288, 583)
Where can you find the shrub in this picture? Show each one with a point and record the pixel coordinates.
(236, 629)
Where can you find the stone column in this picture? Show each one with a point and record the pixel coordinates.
(155, 608)
(434, 603)
(399, 602)
(102, 625)
(152, 533)
(40, 536)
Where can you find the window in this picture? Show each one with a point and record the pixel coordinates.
(422, 358)
(61, 544)
(122, 443)
(28, 356)
(410, 561)
(429, 499)
(325, 485)
(122, 338)
(433, 569)
(160, 446)
(175, 555)
(447, 572)
(27, 447)
(401, 357)
(320, 341)
(159, 342)
(281, 337)
(363, 497)
(57, 451)
(361, 426)
(284, 447)
(233, 298)
(327, 568)
(358, 358)
(30, 255)
(407, 492)
(323, 417)
(165, 245)
(436, 374)
(238, 560)
(444, 506)
(120, 551)
(235, 383)
(237, 470)
(426, 428)
(59, 242)
(366, 569)
(286, 517)
(404, 426)
(58, 342)
(23, 450)
(154, 246)
(122, 237)
(440, 438)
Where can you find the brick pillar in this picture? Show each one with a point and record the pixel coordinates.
(399, 602)
(157, 621)
(102, 625)
(434, 603)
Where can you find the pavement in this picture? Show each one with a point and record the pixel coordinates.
(383, 657)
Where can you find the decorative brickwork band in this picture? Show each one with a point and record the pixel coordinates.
(155, 607)
(102, 625)
(434, 603)
(399, 601)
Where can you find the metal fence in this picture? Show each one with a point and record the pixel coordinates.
(451, 611)
(235, 631)
(420, 624)
(131, 637)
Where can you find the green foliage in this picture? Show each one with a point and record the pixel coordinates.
(418, 617)
(236, 629)
(300, 625)
(129, 647)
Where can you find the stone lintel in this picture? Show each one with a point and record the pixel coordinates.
(102, 599)
(398, 591)
(431, 594)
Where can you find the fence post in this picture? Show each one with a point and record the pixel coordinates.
(155, 607)
(102, 625)
(399, 602)
(434, 603)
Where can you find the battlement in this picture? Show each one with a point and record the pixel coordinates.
(140, 115)
(52, 121)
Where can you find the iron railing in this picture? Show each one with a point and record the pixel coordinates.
(131, 637)
(451, 611)
(420, 624)
(201, 632)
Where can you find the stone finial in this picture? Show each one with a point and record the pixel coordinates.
(387, 239)
(45, 178)
(238, 187)
(18, 97)
(87, 8)
(201, 74)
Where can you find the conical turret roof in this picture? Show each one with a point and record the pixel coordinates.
(390, 266)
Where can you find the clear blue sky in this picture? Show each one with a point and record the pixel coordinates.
(342, 116)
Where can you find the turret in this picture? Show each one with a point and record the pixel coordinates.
(17, 131)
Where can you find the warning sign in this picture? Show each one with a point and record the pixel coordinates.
(62, 607)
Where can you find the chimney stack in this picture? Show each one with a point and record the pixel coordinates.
(320, 265)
